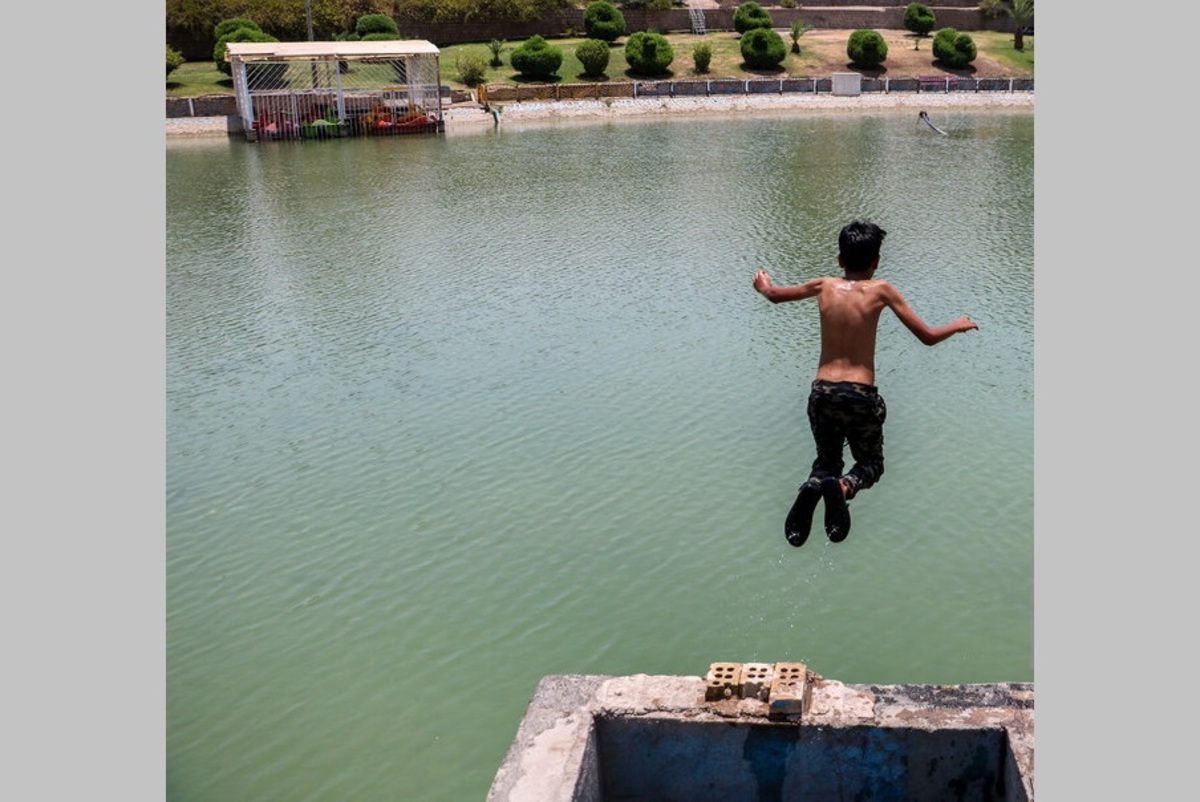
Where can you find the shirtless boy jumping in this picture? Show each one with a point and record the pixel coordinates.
(844, 405)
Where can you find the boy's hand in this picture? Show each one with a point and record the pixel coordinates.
(965, 323)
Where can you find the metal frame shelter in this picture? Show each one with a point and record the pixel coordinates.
(319, 90)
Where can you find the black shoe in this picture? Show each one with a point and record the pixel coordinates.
(799, 517)
(837, 512)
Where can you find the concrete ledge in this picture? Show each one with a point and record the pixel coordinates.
(589, 738)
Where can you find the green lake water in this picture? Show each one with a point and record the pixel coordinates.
(446, 414)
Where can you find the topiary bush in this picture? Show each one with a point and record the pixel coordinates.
(750, 16)
(954, 49)
(535, 58)
(593, 54)
(230, 25)
(240, 35)
(762, 49)
(702, 56)
(602, 20)
(648, 53)
(174, 60)
(919, 18)
(369, 24)
(866, 48)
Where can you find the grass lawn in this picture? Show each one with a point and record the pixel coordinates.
(822, 52)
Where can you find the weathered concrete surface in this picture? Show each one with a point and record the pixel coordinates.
(571, 720)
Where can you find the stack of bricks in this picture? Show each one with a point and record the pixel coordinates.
(783, 686)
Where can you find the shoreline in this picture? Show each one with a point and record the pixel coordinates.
(473, 117)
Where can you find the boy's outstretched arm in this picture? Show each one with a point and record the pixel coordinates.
(762, 283)
(929, 335)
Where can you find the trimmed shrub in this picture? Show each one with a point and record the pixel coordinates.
(866, 48)
(471, 69)
(919, 18)
(535, 58)
(174, 60)
(702, 56)
(593, 54)
(750, 16)
(762, 49)
(954, 49)
(648, 53)
(379, 36)
(232, 24)
(602, 20)
(238, 35)
(369, 24)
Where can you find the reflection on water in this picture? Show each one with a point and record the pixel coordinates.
(448, 414)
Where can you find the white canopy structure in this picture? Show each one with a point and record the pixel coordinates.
(303, 90)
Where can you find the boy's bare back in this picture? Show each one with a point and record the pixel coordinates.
(850, 307)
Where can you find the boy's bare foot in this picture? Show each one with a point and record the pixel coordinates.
(799, 518)
(837, 512)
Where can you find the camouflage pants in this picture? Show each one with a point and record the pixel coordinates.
(841, 413)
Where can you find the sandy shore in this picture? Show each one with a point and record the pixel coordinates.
(471, 117)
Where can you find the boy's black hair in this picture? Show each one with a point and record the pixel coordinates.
(859, 244)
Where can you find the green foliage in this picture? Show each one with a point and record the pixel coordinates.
(762, 49)
(919, 18)
(496, 46)
(1021, 12)
(470, 69)
(369, 24)
(232, 24)
(751, 15)
(174, 60)
(787, 3)
(536, 58)
(476, 11)
(954, 49)
(702, 56)
(649, 5)
(380, 36)
(798, 30)
(602, 20)
(593, 54)
(866, 48)
(648, 53)
(238, 35)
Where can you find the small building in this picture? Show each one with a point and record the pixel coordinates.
(319, 90)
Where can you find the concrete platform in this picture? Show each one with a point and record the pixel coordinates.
(589, 738)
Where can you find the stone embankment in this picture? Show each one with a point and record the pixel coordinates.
(470, 116)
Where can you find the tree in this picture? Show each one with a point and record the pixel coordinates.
(602, 20)
(953, 48)
(536, 58)
(370, 26)
(751, 15)
(497, 47)
(762, 49)
(174, 60)
(866, 48)
(648, 53)
(919, 19)
(244, 33)
(798, 30)
(1021, 12)
(593, 54)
